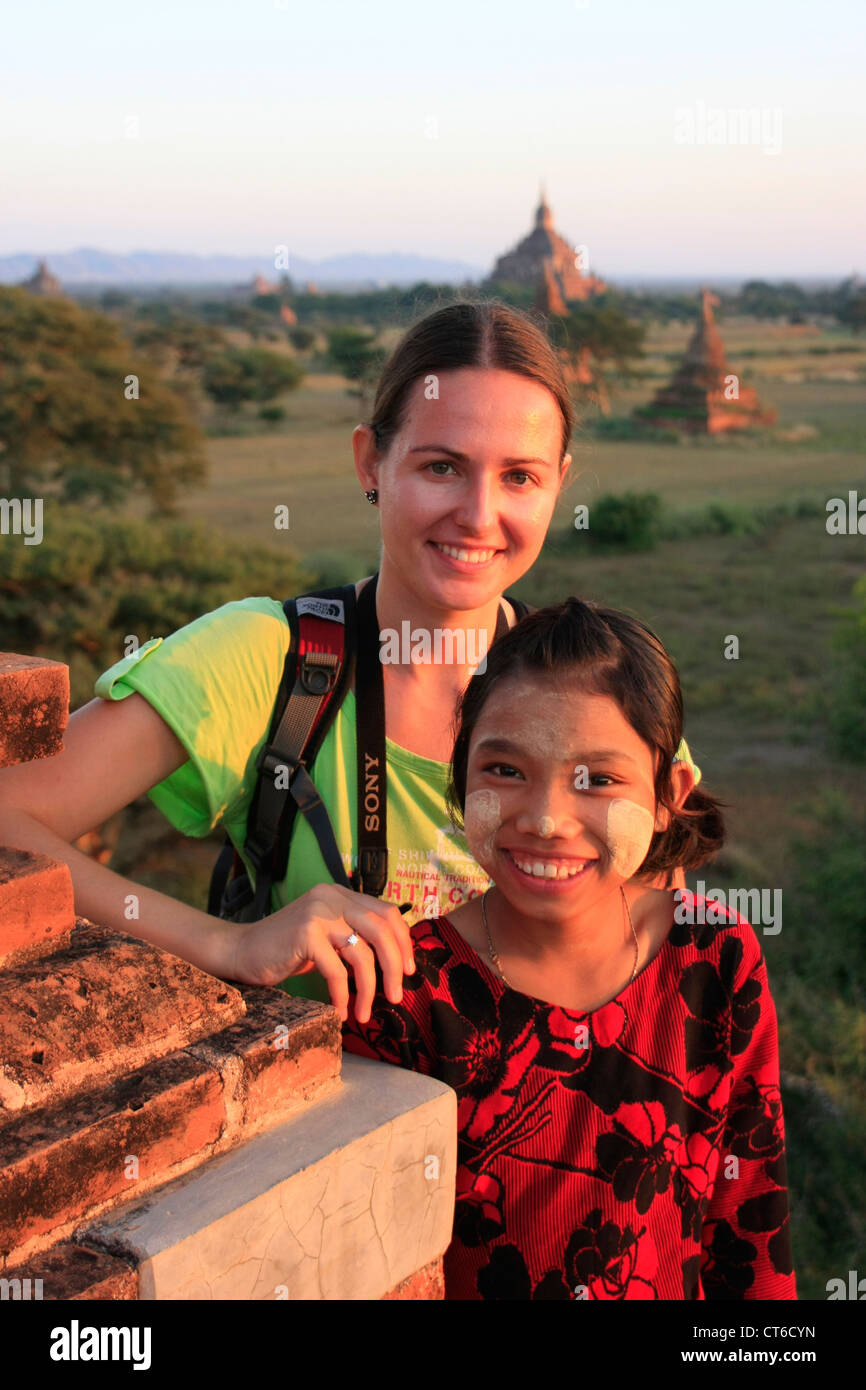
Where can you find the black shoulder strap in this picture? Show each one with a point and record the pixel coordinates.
(520, 608)
(372, 873)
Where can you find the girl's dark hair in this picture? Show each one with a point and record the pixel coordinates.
(604, 652)
(470, 333)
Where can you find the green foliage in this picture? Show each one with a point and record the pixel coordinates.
(353, 351)
(333, 567)
(625, 521)
(272, 414)
(94, 580)
(163, 329)
(716, 518)
(630, 428)
(66, 419)
(302, 337)
(818, 978)
(852, 312)
(602, 328)
(847, 684)
(250, 374)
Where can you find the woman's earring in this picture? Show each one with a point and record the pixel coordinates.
(372, 496)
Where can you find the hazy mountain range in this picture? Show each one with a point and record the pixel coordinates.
(88, 265)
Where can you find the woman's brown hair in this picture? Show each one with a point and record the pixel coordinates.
(469, 333)
(604, 652)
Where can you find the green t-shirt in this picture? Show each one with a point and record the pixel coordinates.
(214, 682)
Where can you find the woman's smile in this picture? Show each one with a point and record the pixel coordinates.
(466, 557)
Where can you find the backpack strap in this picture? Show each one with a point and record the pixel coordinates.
(520, 608)
(316, 674)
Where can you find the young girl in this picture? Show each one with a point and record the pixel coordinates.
(615, 1056)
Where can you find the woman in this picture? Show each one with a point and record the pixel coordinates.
(464, 456)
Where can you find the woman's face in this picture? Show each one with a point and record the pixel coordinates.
(468, 486)
(560, 799)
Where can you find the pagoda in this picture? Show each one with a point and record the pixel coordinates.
(527, 263)
(704, 396)
(42, 281)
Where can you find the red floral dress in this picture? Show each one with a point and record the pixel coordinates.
(636, 1151)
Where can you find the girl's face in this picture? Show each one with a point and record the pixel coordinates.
(468, 486)
(560, 801)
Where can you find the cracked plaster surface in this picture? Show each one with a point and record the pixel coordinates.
(297, 1213)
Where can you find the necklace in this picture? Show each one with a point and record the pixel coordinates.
(495, 957)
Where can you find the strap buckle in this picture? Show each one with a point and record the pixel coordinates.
(318, 671)
(271, 761)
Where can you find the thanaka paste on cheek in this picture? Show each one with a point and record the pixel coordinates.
(628, 832)
(482, 817)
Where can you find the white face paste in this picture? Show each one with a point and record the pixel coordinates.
(546, 827)
(628, 832)
(482, 817)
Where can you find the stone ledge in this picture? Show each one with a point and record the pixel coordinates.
(427, 1283)
(73, 1272)
(34, 697)
(57, 1166)
(106, 1005)
(285, 1054)
(347, 1201)
(37, 907)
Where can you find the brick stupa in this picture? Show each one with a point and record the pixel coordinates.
(704, 396)
(168, 1135)
(42, 281)
(544, 253)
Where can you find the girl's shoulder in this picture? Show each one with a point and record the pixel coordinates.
(438, 948)
(714, 925)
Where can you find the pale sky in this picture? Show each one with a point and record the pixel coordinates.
(380, 125)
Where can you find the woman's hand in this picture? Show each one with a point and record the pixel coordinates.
(307, 934)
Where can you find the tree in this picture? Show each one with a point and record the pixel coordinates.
(83, 408)
(167, 332)
(302, 337)
(596, 338)
(352, 350)
(250, 374)
(852, 309)
(95, 579)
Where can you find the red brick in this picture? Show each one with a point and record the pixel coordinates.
(76, 1272)
(106, 1005)
(425, 1283)
(37, 905)
(34, 698)
(274, 1082)
(58, 1165)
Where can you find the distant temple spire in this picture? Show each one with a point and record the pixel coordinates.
(42, 281)
(704, 396)
(525, 264)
